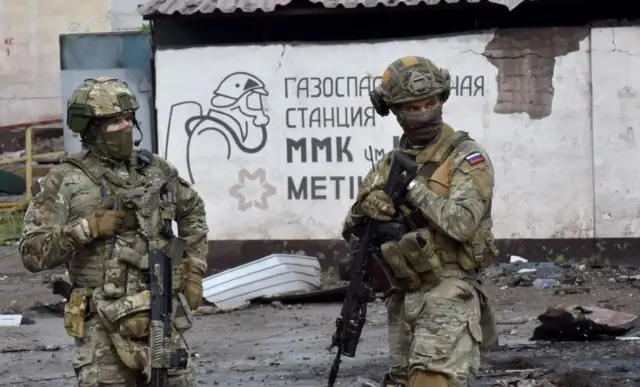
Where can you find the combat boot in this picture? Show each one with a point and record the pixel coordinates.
(420, 378)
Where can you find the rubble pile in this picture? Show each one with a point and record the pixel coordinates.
(563, 278)
(574, 378)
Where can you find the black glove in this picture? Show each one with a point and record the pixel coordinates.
(391, 231)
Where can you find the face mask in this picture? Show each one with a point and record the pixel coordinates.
(421, 127)
(119, 144)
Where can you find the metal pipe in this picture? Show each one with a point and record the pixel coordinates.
(33, 123)
(49, 155)
(13, 205)
(29, 169)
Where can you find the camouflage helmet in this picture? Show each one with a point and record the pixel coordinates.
(409, 79)
(97, 98)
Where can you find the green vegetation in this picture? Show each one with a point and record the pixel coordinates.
(10, 226)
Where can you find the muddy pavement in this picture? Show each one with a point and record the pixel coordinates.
(276, 345)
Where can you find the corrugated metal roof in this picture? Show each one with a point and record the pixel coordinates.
(511, 4)
(188, 7)
(386, 3)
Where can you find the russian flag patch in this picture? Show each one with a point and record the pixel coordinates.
(475, 158)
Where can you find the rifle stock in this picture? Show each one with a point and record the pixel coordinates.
(368, 270)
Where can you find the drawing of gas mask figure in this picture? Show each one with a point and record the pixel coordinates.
(236, 120)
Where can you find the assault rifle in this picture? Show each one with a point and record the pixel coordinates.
(367, 269)
(161, 265)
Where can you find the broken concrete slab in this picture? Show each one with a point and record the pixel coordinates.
(604, 316)
(579, 323)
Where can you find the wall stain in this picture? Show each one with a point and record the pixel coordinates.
(525, 59)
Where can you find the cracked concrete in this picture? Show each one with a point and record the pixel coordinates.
(525, 59)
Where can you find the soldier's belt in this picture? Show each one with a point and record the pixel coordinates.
(430, 279)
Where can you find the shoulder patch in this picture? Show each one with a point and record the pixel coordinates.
(475, 158)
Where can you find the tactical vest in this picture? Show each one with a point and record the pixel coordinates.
(114, 272)
(426, 254)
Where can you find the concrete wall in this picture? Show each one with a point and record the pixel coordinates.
(556, 109)
(558, 113)
(615, 60)
(30, 59)
(525, 100)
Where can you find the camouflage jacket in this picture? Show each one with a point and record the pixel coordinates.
(68, 194)
(457, 214)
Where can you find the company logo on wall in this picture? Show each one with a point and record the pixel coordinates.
(236, 117)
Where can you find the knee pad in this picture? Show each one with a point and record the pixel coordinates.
(420, 378)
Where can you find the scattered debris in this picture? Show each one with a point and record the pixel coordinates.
(333, 295)
(366, 382)
(276, 274)
(628, 278)
(515, 258)
(510, 363)
(574, 378)
(513, 321)
(526, 274)
(56, 309)
(519, 382)
(10, 320)
(545, 283)
(579, 323)
(39, 348)
(572, 290)
(207, 310)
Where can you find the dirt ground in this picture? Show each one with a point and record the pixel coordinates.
(275, 345)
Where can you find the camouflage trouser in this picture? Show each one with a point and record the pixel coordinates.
(97, 364)
(436, 331)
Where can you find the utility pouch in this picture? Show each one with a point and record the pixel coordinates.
(75, 312)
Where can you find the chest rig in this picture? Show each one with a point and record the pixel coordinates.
(149, 204)
(117, 290)
(425, 254)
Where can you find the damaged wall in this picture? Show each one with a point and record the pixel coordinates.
(30, 58)
(303, 131)
(526, 60)
(539, 134)
(555, 107)
(615, 60)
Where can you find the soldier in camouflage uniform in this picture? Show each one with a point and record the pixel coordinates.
(99, 213)
(442, 317)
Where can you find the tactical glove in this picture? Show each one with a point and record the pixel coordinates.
(192, 285)
(378, 205)
(105, 223)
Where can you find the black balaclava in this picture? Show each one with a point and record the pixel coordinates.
(421, 128)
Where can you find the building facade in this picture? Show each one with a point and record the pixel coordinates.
(30, 59)
(276, 133)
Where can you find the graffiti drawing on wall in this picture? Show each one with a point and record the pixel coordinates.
(236, 120)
